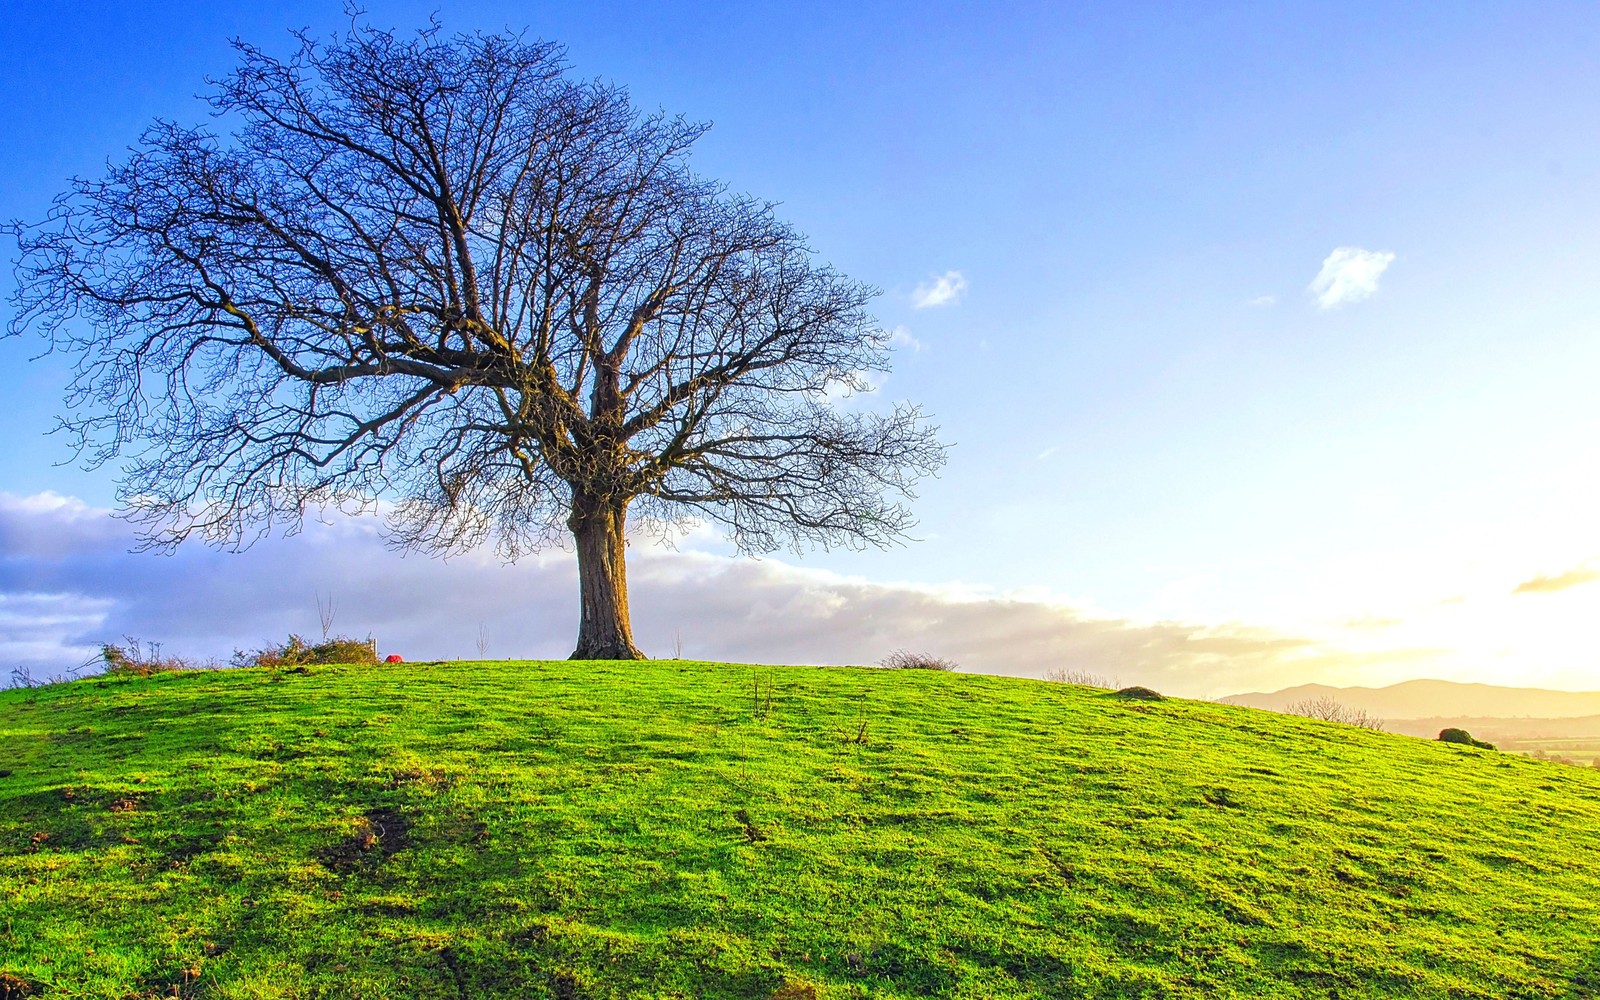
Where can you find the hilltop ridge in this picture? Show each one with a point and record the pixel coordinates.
(671, 829)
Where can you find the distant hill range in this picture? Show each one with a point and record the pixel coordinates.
(1428, 699)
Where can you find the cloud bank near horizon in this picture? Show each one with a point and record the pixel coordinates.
(1575, 577)
(69, 583)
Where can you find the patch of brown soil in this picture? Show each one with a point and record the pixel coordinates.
(15, 987)
(752, 833)
(379, 834)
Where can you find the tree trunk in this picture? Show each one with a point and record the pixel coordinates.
(603, 629)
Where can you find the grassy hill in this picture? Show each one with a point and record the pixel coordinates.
(666, 829)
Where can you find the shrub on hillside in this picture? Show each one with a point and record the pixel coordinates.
(296, 652)
(903, 659)
(1453, 735)
(1332, 710)
(134, 658)
(1082, 678)
(1137, 693)
(342, 649)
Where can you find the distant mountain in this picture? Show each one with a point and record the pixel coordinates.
(1428, 699)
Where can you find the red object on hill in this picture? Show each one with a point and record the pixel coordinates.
(394, 658)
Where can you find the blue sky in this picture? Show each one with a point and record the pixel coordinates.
(1156, 423)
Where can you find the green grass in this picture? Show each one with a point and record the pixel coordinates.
(585, 830)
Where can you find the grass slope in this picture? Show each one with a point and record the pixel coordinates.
(586, 830)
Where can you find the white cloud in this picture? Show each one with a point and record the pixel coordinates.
(1349, 274)
(853, 388)
(59, 600)
(1047, 453)
(944, 290)
(1577, 576)
(1262, 301)
(901, 336)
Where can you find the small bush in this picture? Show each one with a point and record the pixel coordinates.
(1137, 693)
(134, 659)
(296, 652)
(1082, 678)
(1454, 735)
(903, 659)
(1332, 710)
(342, 649)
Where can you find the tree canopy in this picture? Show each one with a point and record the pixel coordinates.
(440, 274)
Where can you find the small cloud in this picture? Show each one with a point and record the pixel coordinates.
(1047, 452)
(943, 291)
(1561, 581)
(901, 336)
(1349, 274)
(849, 387)
(1262, 301)
(1372, 622)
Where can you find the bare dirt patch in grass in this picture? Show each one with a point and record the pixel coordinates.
(752, 833)
(379, 834)
(15, 987)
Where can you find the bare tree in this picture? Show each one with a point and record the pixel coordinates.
(326, 612)
(436, 270)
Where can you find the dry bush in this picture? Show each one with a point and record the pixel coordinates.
(134, 658)
(1082, 678)
(904, 659)
(1332, 710)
